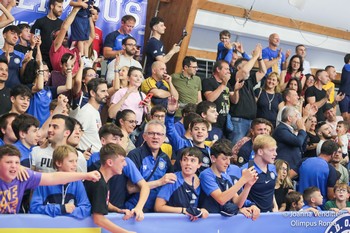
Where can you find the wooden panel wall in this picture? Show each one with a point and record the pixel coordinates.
(177, 15)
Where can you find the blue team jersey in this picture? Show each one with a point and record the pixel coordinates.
(145, 163)
(180, 194)
(14, 67)
(40, 103)
(209, 183)
(261, 193)
(25, 154)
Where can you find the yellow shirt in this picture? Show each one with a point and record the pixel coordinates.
(331, 85)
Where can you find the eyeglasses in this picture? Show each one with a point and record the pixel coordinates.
(153, 134)
(132, 121)
(159, 116)
(130, 45)
(341, 190)
(92, 75)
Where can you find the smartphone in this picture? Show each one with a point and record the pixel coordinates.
(250, 163)
(147, 99)
(138, 47)
(37, 32)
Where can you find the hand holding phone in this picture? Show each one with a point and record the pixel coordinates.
(146, 100)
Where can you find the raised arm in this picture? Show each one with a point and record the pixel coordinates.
(64, 28)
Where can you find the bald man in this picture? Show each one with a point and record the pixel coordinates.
(160, 85)
(275, 60)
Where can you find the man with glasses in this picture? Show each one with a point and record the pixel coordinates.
(153, 163)
(187, 83)
(129, 50)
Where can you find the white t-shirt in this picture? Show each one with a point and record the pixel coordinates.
(132, 102)
(124, 61)
(90, 119)
(42, 159)
(307, 68)
(82, 165)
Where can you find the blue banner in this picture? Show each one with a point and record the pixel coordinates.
(288, 222)
(109, 20)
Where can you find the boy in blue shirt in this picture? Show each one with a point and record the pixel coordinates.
(313, 198)
(69, 199)
(26, 129)
(218, 193)
(182, 196)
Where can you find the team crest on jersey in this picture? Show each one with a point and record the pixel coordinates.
(206, 160)
(272, 175)
(240, 160)
(161, 165)
(16, 60)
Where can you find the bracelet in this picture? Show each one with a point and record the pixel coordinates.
(259, 59)
(116, 71)
(182, 211)
(69, 68)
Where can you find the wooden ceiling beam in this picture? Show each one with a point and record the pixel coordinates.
(274, 19)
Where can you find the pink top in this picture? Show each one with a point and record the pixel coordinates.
(132, 102)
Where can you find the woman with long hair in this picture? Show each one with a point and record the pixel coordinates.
(294, 70)
(312, 138)
(284, 183)
(268, 98)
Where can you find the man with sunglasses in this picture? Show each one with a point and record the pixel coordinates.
(126, 58)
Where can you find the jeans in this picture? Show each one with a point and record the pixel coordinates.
(241, 127)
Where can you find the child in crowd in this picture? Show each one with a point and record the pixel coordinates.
(182, 196)
(207, 110)
(112, 157)
(342, 137)
(313, 199)
(294, 201)
(14, 188)
(226, 48)
(80, 28)
(26, 129)
(341, 201)
(68, 199)
(218, 192)
(283, 184)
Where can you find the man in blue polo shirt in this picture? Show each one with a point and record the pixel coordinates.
(113, 42)
(262, 192)
(153, 163)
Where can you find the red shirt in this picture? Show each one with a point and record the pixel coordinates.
(97, 44)
(55, 57)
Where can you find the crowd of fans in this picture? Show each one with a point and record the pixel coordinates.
(241, 141)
